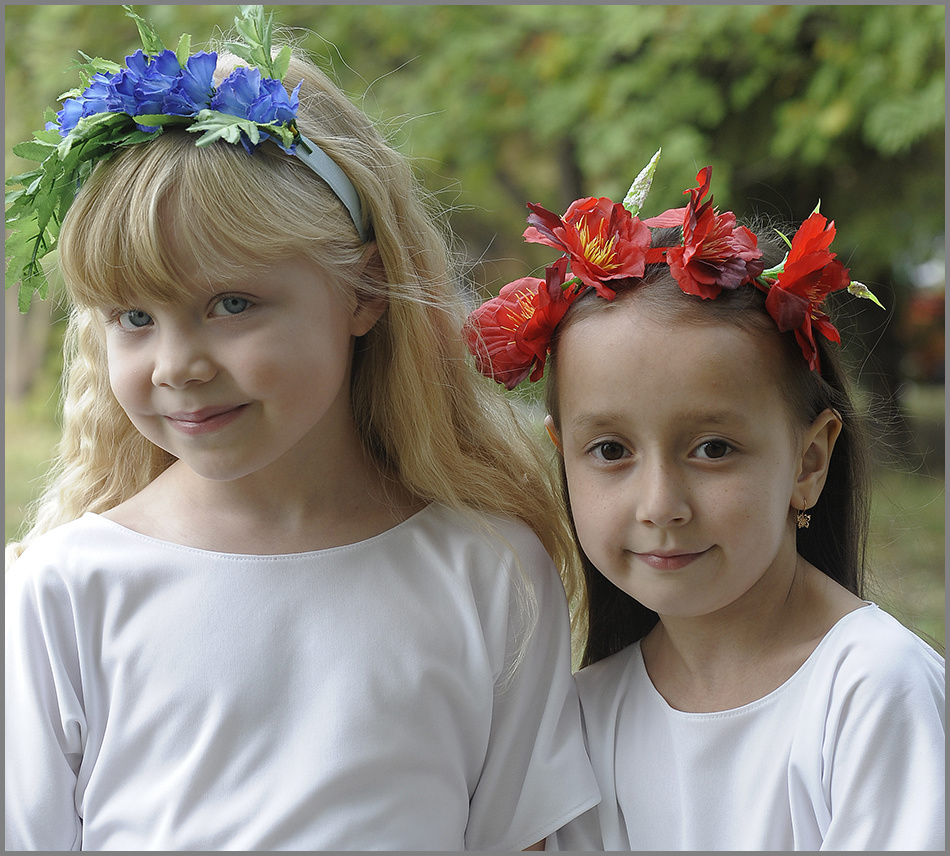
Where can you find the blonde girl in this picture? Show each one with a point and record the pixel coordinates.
(293, 583)
(739, 693)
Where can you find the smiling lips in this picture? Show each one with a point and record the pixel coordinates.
(206, 420)
(667, 561)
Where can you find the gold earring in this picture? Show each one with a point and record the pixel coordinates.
(803, 519)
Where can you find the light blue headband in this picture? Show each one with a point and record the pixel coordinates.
(120, 106)
(324, 166)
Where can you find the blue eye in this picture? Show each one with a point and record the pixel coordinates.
(134, 319)
(609, 451)
(713, 449)
(230, 305)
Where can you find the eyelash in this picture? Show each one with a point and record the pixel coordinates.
(598, 447)
(118, 315)
(220, 301)
(729, 448)
(596, 451)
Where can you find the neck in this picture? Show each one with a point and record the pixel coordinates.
(747, 649)
(319, 496)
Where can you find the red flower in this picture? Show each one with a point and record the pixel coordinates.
(510, 335)
(603, 240)
(810, 273)
(715, 253)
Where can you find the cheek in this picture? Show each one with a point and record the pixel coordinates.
(125, 378)
(296, 362)
(595, 516)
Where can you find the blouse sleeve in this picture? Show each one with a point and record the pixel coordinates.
(45, 723)
(536, 775)
(883, 757)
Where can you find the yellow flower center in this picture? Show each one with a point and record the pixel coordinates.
(596, 250)
(518, 314)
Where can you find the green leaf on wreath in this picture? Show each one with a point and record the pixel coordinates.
(151, 43)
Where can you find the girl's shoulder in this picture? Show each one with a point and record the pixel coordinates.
(871, 635)
(870, 648)
(64, 545)
(484, 530)
(479, 545)
(57, 564)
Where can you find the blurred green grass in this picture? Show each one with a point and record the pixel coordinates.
(906, 547)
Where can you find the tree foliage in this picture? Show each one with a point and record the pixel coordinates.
(500, 105)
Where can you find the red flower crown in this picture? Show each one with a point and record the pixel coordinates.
(602, 241)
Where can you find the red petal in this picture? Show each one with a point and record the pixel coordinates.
(789, 310)
(670, 217)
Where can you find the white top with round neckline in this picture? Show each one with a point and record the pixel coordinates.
(166, 697)
(847, 754)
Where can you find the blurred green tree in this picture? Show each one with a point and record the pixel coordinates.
(504, 104)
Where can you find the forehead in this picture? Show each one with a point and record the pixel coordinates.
(643, 364)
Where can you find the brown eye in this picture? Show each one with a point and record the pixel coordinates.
(610, 451)
(714, 449)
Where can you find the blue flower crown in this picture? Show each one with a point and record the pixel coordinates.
(118, 107)
(159, 89)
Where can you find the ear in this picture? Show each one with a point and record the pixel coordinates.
(818, 442)
(552, 432)
(370, 301)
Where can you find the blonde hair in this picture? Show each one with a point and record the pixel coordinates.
(445, 433)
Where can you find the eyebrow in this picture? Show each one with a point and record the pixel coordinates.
(589, 421)
(606, 419)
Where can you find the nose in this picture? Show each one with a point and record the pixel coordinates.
(182, 358)
(663, 496)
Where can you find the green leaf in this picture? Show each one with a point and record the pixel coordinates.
(282, 62)
(45, 136)
(17, 249)
(241, 50)
(98, 64)
(184, 49)
(23, 297)
(859, 289)
(783, 237)
(97, 125)
(247, 30)
(256, 29)
(24, 177)
(34, 150)
(135, 137)
(638, 191)
(45, 200)
(151, 43)
(159, 119)
(23, 247)
(223, 126)
(67, 193)
(282, 131)
(780, 267)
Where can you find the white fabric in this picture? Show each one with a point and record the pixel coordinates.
(160, 697)
(848, 754)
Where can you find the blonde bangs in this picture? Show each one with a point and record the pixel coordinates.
(180, 215)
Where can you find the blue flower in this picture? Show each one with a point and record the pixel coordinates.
(245, 94)
(141, 87)
(194, 87)
(96, 98)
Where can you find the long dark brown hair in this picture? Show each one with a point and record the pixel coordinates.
(836, 539)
